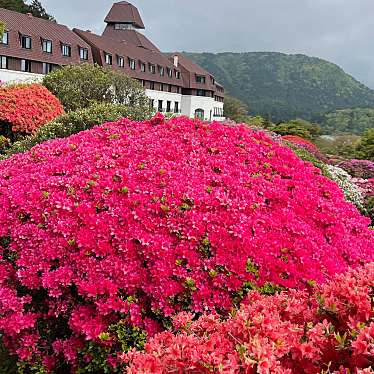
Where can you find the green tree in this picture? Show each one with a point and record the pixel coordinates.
(35, 8)
(80, 86)
(298, 127)
(16, 5)
(365, 149)
(235, 109)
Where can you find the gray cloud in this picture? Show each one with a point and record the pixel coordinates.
(340, 31)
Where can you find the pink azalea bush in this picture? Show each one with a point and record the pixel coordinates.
(122, 226)
(330, 330)
(305, 144)
(359, 168)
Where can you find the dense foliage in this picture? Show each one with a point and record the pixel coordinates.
(365, 148)
(286, 86)
(35, 8)
(353, 121)
(298, 127)
(76, 121)
(235, 109)
(26, 107)
(80, 86)
(328, 331)
(117, 228)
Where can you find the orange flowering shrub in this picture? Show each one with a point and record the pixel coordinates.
(27, 107)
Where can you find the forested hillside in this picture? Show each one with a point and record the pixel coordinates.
(286, 86)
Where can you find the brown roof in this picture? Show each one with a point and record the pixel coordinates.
(189, 72)
(103, 44)
(124, 12)
(130, 36)
(38, 29)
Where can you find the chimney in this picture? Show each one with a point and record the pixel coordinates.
(88, 31)
(176, 61)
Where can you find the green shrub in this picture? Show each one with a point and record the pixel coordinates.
(365, 149)
(79, 86)
(80, 120)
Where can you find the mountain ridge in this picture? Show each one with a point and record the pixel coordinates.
(286, 86)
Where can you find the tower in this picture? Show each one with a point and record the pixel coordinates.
(124, 16)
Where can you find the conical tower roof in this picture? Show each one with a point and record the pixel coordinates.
(124, 12)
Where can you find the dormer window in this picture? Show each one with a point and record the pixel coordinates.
(5, 38)
(25, 42)
(83, 53)
(142, 66)
(170, 72)
(200, 79)
(177, 74)
(120, 61)
(162, 71)
(66, 50)
(47, 46)
(108, 59)
(152, 68)
(132, 64)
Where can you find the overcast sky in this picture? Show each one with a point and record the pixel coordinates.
(341, 31)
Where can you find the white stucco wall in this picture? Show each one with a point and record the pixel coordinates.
(191, 103)
(18, 76)
(165, 97)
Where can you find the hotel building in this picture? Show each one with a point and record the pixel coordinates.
(31, 47)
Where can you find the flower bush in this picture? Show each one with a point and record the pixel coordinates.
(27, 107)
(111, 231)
(359, 168)
(353, 193)
(329, 331)
(305, 144)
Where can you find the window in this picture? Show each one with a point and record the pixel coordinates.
(162, 87)
(170, 72)
(47, 46)
(26, 42)
(213, 80)
(162, 71)
(152, 68)
(168, 106)
(5, 38)
(151, 85)
(200, 92)
(142, 67)
(108, 59)
(47, 68)
(176, 107)
(199, 113)
(132, 64)
(200, 79)
(160, 109)
(120, 61)
(83, 53)
(3, 62)
(169, 87)
(123, 26)
(177, 74)
(66, 50)
(26, 66)
(152, 103)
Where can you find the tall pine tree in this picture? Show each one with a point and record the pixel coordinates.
(35, 8)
